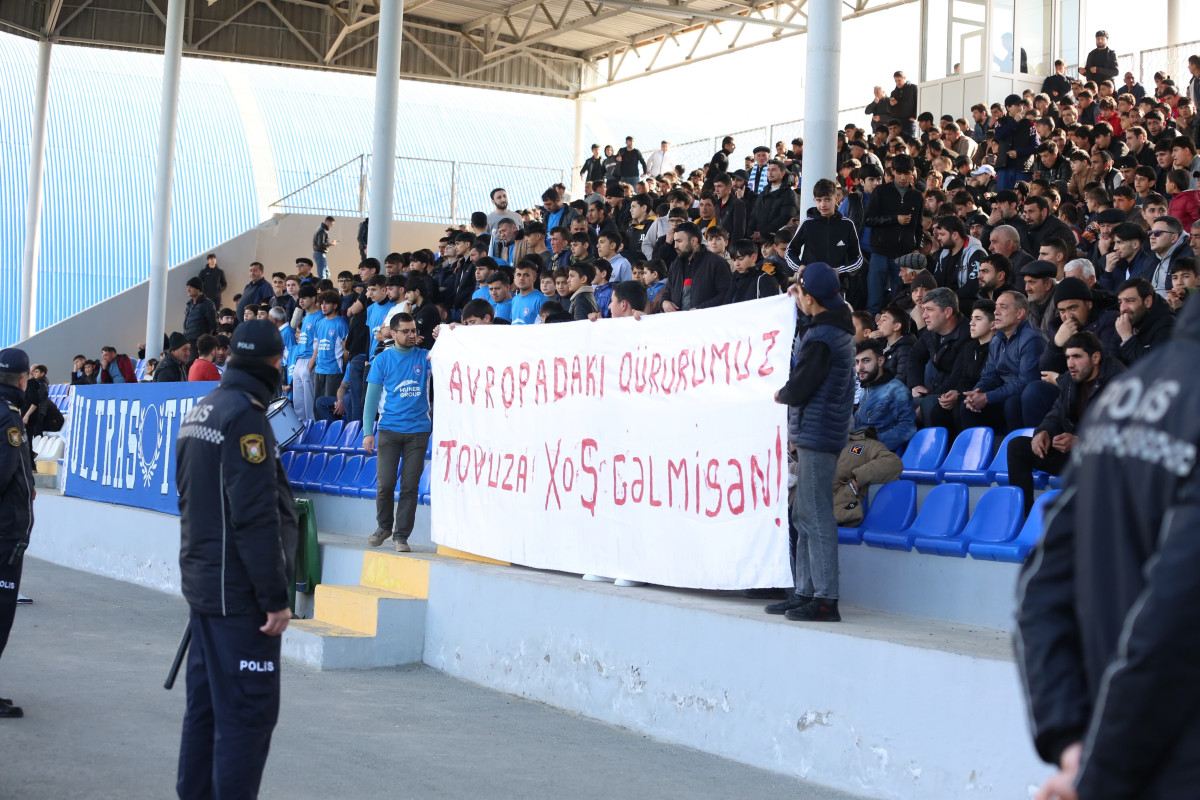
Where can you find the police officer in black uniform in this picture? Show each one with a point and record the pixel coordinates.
(238, 539)
(1108, 630)
(16, 494)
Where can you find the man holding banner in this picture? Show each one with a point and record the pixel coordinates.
(820, 394)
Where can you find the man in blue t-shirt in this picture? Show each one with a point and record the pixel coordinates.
(329, 335)
(301, 355)
(377, 313)
(401, 374)
(500, 295)
(527, 301)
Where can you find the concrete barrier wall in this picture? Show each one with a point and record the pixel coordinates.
(121, 320)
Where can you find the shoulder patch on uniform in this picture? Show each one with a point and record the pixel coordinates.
(14, 437)
(856, 450)
(254, 448)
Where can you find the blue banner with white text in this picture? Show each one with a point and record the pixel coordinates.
(121, 442)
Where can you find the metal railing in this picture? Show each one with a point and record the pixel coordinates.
(425, 189)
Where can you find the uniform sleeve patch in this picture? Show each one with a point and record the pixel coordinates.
(14, 437)
(254, 448)
(856, 450)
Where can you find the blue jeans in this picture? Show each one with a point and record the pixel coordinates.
(816, 528)
(321, 265)
(355, 394)
(1007, 178)
(882, 274)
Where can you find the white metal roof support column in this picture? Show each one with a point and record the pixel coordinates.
(823, 67)
(33, 202)
(576, 178)
(387, 107)
(1174, 22)
(164, 174)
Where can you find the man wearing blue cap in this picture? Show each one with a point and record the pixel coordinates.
(238, 537)
(16, 494)
(820, 396)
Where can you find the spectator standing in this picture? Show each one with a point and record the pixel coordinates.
(903, 102)
(328, 358)
(37, 400)
(608, 247)
(203, 369)
(632, 165)
(579, 287)
(826, 235)
(697, 278)
(286, 334)
(894, 217)
(258, 291)
(1016, 145)
(199, 314)
(748, 281)
(819, 394)
(730, 209)
(172, 368)
(212, 280)
(1102, 62)
(321, 243)
(592, 171)
(499, 212)
(302, 377)
(527, 300)
(661, 160)
(401, 375)
(1058, 86)
(775, 207)
(364, 232)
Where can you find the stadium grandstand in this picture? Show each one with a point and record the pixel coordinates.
(1001, 233)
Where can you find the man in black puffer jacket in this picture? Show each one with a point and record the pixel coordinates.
(894, 217)
(1109, 601)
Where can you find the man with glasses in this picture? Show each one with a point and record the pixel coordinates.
(1167, 243)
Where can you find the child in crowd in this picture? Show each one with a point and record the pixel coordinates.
(562, 291)
(601, 287)
(547, 283)
(583, 297)
(654, 277)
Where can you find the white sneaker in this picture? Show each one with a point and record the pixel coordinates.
(627, 582)
(597, 578)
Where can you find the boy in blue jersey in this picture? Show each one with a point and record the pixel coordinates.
(329, 335)
(602, 287)
(484, 266)
(654, 276)
(278, 317)
(527, 300)
(500, 295)
(403, 373)
(302, 380)
(379, 310)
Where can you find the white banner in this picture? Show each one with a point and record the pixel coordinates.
(649, 449)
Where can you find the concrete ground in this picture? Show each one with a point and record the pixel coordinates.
(88, 658)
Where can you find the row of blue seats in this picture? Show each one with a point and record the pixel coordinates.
(320, 436)
(995, 532)
(929, 458)
(342, 475)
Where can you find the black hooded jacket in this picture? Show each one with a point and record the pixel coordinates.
(1109, 600)
(1154, 330)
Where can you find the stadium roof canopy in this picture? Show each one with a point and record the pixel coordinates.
(551, 47)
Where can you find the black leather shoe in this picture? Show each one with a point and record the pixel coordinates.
(819, 610)
(792, 603)
(9, 711)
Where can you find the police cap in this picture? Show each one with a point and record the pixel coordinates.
(257, 337)
(14, 361)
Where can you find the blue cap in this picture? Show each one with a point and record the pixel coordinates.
(821, 281)
(14, 361)
(256, 337)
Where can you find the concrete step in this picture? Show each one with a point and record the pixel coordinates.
(365, 609)
(322, 646)
(393, 572)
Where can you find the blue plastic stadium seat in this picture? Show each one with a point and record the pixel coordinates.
(345, 478)
(429, 448)
(997, 518)
(1016, 549)
(295, 470)
(310, 440)
(286, 458)
(943, 513)
(893, 508)
(333, 434)
(423, 487)
(998, 469)
(364, 485)
(351, 441)
(310, 481)
(925, 452)
(327, 483)
(969, 456)
(1055, 481)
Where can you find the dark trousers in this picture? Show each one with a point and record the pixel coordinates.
(326, 385)
(10, 583)
(396, 449)
(1024, 410)
(1022, 462)
(355, 394)
(232, 707)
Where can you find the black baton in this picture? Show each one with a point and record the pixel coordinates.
(179, 654)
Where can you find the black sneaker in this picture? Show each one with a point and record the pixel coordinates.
(819, 610)
(767, 594)
(792, 603)
(9, 711)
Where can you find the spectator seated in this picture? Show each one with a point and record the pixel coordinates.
(943, 514)
(997, 518)
(924, 454)
(1015, 550)
(895, 504)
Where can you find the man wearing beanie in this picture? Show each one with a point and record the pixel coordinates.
(173, 366)
(16, 494)
(1077, 313)
(199, 314)
(820, 396)
(238, 537)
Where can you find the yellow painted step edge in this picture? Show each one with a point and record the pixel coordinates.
(450, 552)
(396, 573)
(346, 608)
(321, 628)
